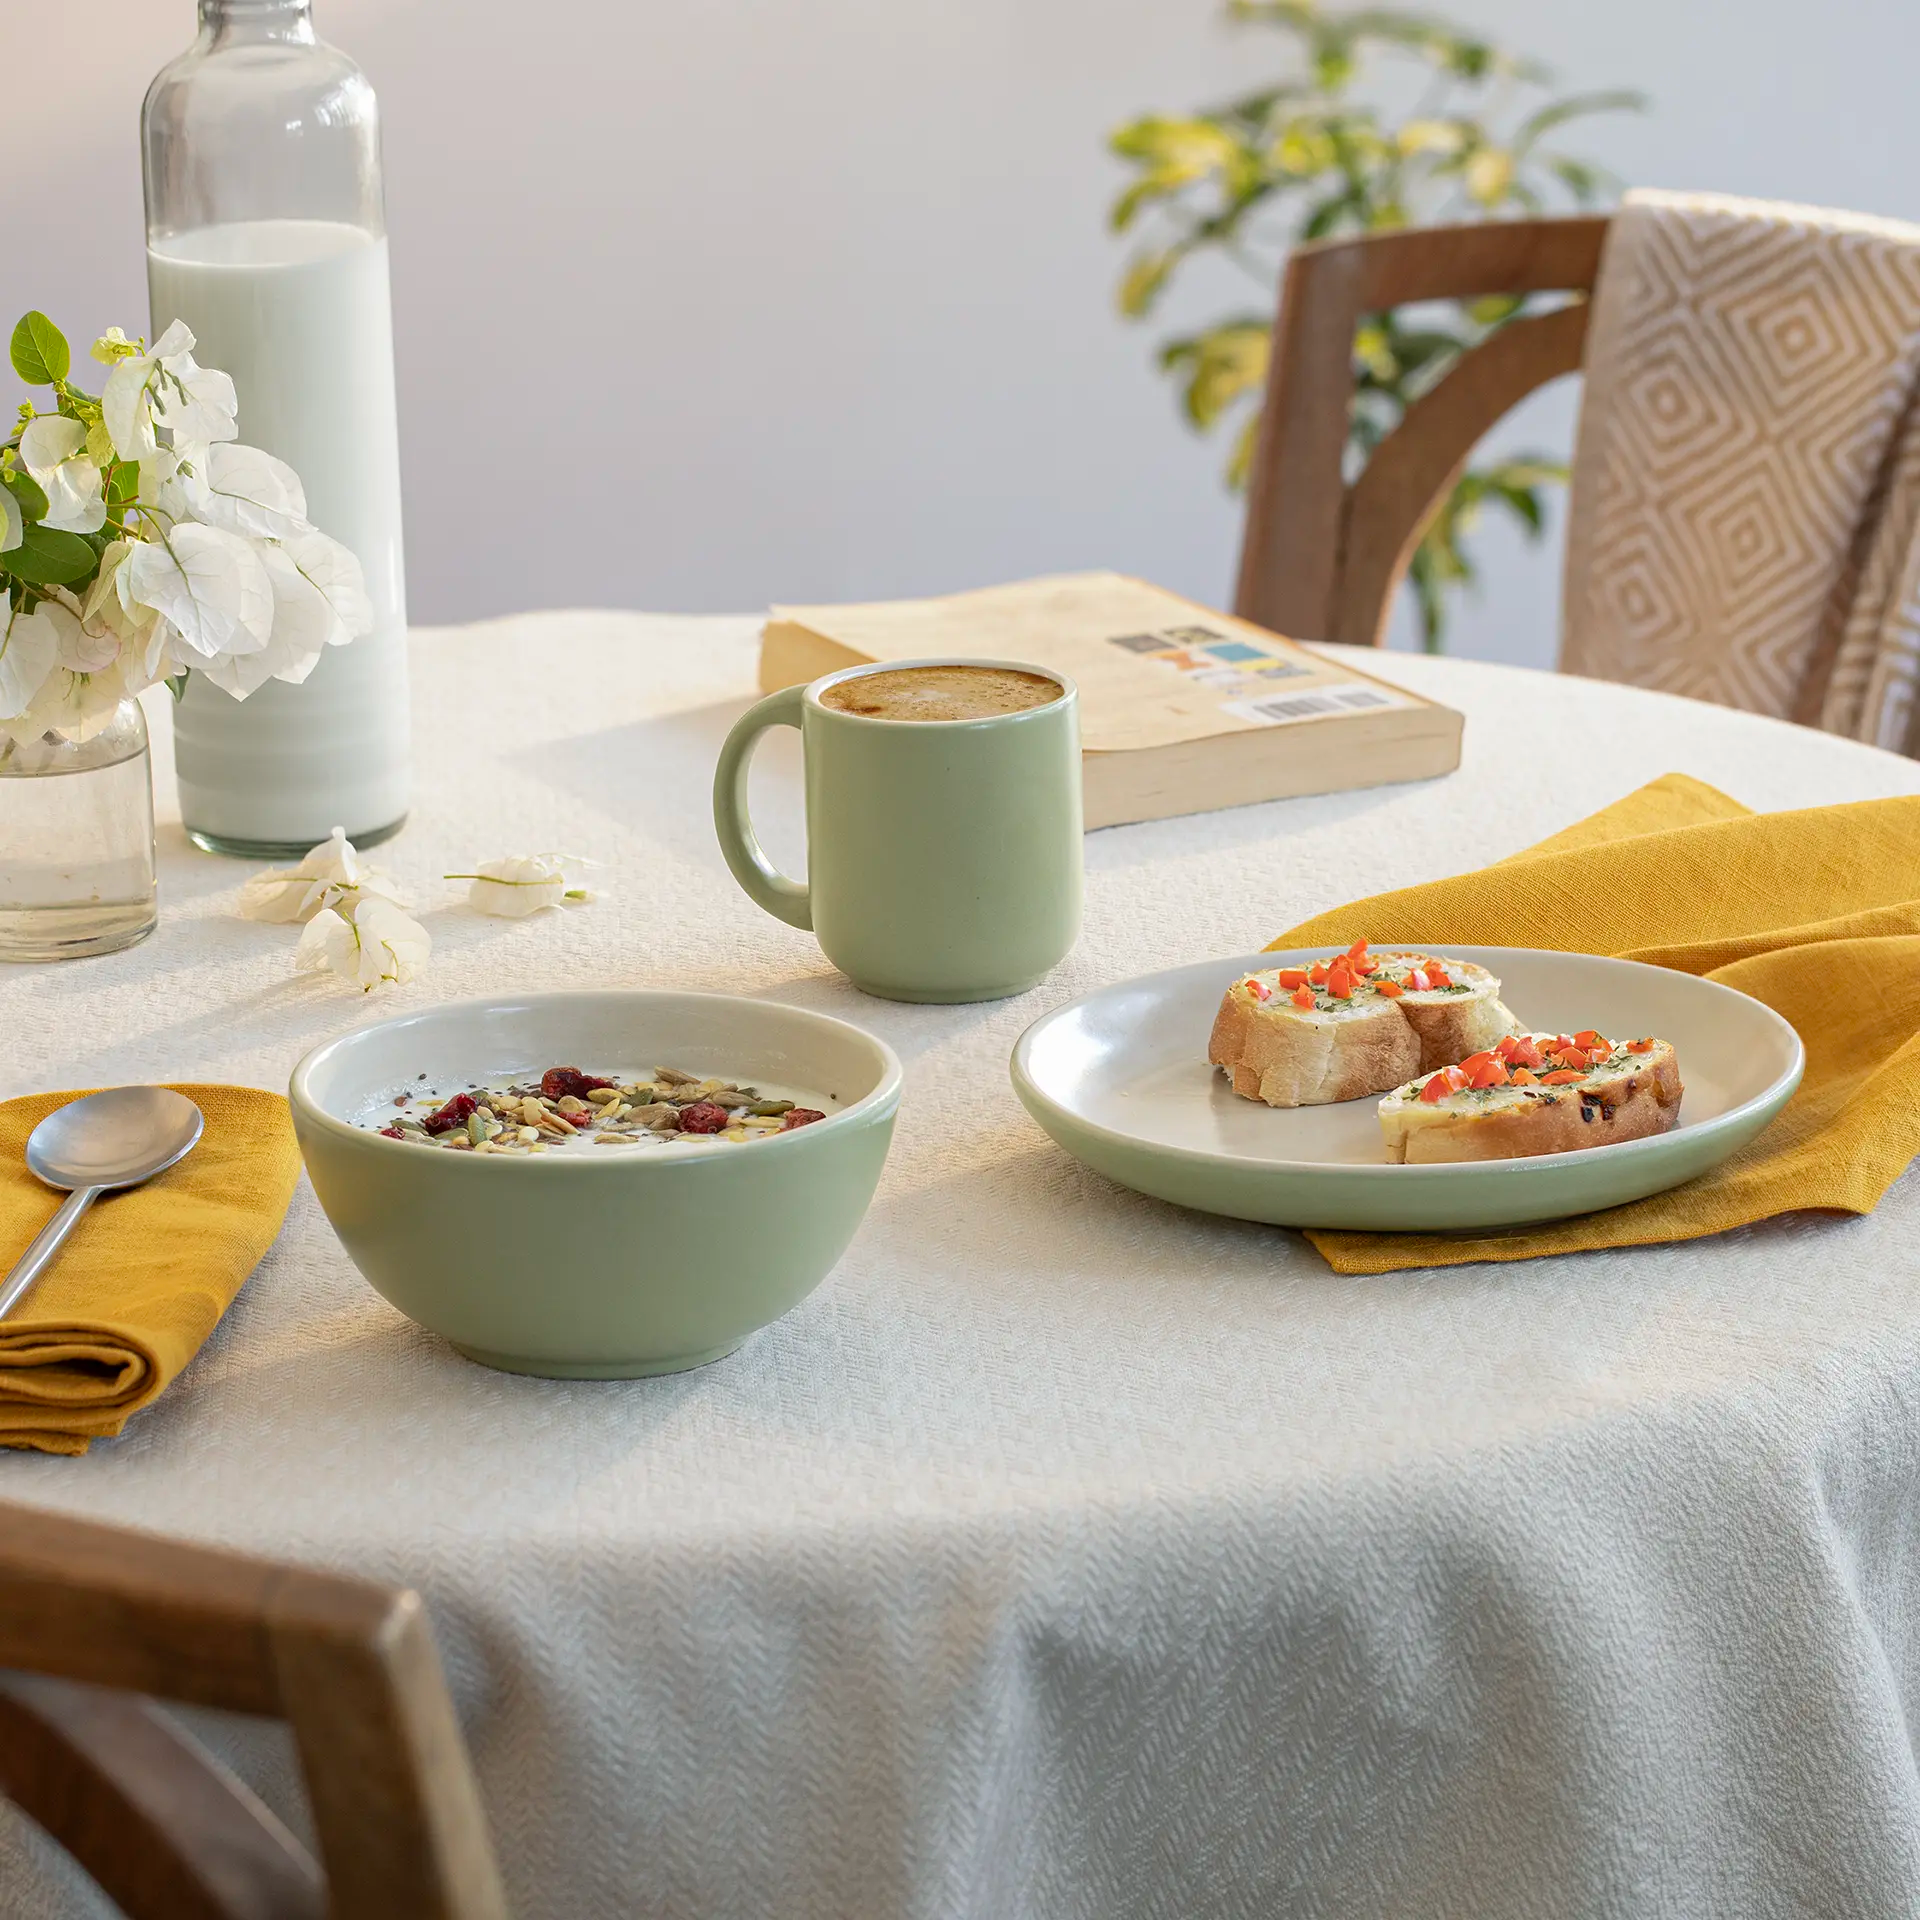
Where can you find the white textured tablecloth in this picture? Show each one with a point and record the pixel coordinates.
(1066, 1554)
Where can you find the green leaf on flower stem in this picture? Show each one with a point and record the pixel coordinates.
(1556, 113)
(39, 351)
(1145, 276)
(45, 558)
(1226, 363)
(123, 482)
(1490, 309)
(26, 490)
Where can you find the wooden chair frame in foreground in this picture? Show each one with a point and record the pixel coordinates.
(93, 1617)
(1321, 559)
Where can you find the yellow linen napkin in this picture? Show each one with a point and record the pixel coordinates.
(1815, 912)
(146, 1274)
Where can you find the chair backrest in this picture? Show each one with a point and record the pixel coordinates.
(1320, 559)
(92, 1618)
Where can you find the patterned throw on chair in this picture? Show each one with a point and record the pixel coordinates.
(1745, 521)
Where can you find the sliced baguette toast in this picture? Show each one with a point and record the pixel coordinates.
(1359, 1024)
(1532, 1094)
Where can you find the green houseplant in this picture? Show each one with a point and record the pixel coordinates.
(1312, 154)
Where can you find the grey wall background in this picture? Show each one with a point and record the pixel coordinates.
(708, 304)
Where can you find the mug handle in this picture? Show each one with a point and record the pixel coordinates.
(783, 896)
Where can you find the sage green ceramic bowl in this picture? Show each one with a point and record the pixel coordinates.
(607, 1263)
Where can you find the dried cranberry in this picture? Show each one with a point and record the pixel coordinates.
(453, 1114)
(702, 1116)
(393, 1133)
(800, 1117)
(557, 1082)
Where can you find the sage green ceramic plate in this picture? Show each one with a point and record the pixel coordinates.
(1120, 1079)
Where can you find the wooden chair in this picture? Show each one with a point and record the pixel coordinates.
(93, 1617)
(1321, 558)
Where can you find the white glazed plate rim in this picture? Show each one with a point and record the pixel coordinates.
(1736, 1120)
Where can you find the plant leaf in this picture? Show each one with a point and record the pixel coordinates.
(28, 492)
(1229, 362)
(1140, 286)
(39, 351)
(1556, 113)
(46, 558)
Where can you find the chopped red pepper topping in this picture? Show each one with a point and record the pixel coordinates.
(1640, 1046)
(1259, 989)
(1389, 989)
(1564, 1078)
(1447, 1080)
(1317, 974)
(1291, 977)
(1303, 998)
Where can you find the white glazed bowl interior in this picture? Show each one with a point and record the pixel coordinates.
(492, 1041)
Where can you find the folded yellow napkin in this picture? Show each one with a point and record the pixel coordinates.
(147, 1273)
(1815, 912)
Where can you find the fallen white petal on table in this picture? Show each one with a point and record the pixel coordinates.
(378, 945)
(520, 884)
(332, 874)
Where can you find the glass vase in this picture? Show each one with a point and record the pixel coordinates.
(76, 839)
(266, 234)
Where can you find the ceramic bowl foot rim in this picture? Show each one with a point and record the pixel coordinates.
(595, 1369)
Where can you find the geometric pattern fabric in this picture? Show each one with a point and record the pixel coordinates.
(1744, 524)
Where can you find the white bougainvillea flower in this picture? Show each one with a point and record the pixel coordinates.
(301, 622)
(104, 611)
(76, 649)
(318, 602)
(167, 388)
(12, 526)
(378, 946)
(210, 584)
(127, 412)
(156, 475)
(243, 490)
(330, 876)
(29, 647)
(518, 884)
(54, 450)
(78, 704)
(114, 346)
(334, 573)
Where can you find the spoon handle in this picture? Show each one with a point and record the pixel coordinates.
(46, 1243)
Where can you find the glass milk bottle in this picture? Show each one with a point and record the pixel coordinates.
(266, 234)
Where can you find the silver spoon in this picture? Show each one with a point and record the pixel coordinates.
(93, 1146)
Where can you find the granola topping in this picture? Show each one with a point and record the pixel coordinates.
(564, 1108)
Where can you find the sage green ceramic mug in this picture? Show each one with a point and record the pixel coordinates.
(943, 856)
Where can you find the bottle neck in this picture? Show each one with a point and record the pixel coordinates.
(225, 23)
